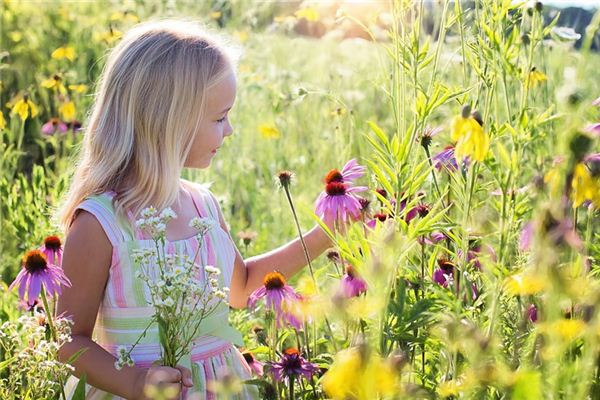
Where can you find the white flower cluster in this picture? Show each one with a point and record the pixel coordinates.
(154, 223)
(34, 365)
(123, 358)
(182, 292)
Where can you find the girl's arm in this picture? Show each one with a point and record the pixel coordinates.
(86, 262)
(288, 259)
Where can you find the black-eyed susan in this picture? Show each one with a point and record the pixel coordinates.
(471, 140)
(25, 108)
(269, 131)
(67, 52)
(584, 186)
(79, 88)
(535, 78)
(54, 83)
(67, 110)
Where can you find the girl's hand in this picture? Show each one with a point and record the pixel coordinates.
(165, 380)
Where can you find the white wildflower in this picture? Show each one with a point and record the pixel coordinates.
(212, 270)
(168, 302)
(167, 214)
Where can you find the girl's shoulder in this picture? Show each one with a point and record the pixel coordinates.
(205, 195)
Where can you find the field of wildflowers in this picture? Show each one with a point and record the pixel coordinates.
(461, 138)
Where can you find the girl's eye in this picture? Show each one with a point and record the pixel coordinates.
(222, 119)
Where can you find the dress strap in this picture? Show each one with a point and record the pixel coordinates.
(101, 207)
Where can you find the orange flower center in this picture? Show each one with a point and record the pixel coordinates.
(292, 351)
(52, 243)
(335, 189)
(274, 280)
(35, 261)
(334, 176)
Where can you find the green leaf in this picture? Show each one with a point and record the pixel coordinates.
(528, 386)
(79, 393)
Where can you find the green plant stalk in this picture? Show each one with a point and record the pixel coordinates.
(50, 319)
(304, 248)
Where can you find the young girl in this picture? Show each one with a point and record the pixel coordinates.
(162, 105)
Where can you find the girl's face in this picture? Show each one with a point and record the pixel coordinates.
(215, 125)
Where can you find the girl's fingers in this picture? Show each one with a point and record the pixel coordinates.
(186, 375)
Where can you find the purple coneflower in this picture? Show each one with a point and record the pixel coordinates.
(381, 217)
(445, 159)
(596, 102)
(351, 284)
(255, 365)
(338, 201)
(52, 249)
(526, 237)
(444, 275)
(292, 365)
(532, 313)
(53, 126)
(352, 170)
(278, 297)
(37, 273)
(594, 129)
(432, 239)
(420, 209)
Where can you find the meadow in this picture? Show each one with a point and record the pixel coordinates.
(474, 257)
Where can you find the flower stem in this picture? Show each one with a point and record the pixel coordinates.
(289, 197)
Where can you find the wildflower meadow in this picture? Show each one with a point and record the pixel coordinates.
(451, 151)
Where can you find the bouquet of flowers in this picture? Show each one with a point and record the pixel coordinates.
(179, 295)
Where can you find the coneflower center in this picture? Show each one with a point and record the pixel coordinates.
(274, 280)
(335, 189)
(52, 243)
(445, 264)
(35, 261)
(248, 357)
(334, 176)
(350, 271)
(380, 216)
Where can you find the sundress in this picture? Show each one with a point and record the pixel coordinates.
(126, 310)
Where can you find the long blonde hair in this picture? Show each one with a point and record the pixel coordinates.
(150, 101)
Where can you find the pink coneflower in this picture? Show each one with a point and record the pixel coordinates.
(37, 273)
(594, 129)
(432, 239)
(596, 102)
(292, 365)
(53, 126)
(352, 170)
(444, 275)
(279, 297)
(255, 365)
(526, 237)
(381, 217)
(338, 201)
(52, 248)
(420, 209)
(445, 159)
(532, 313)
(351, 284)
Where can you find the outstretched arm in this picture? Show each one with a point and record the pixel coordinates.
(287, 259)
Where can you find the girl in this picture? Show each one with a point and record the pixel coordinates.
(162, 104)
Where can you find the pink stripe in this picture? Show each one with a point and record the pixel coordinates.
(210, 254)
(210, 376)
(198, 204)
(117, 284)
(210, 353)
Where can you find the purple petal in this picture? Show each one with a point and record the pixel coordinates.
(526, 236)
(255, 296)
(596, 102)
(352, 171)
(34, 287)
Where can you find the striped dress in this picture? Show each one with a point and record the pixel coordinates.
(126, 310)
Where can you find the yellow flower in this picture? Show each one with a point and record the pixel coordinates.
(269, 131)
(471, 140)
(584, 186)
(215, 14)
(54, 83)
(2, 121)
(25, 108)
(308, 13)
(524, 284)
(535, 78)
(67, 111)
(568, 329)
(351, 376)
(242, 36)
(110, 36)
(126, 16)
(64, 52)
(78, 88)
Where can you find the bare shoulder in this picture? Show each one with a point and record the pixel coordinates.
(87, 257)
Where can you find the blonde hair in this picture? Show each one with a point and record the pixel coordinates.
(150, 101)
